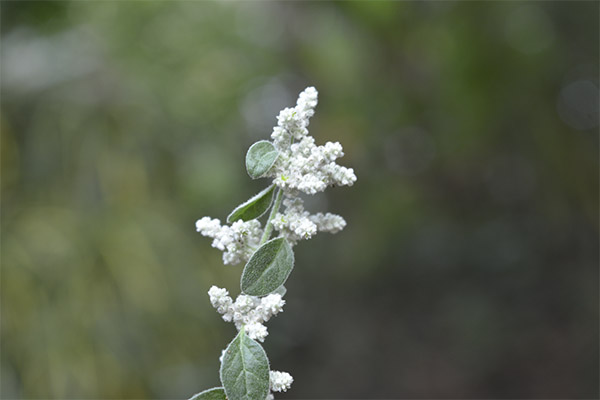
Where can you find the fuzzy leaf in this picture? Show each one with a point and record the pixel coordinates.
(255, 207)
(281, 290)
(217, 393)
(268, 268)
(245, 369)
(260, 157)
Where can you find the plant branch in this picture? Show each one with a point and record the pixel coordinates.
(274, 210)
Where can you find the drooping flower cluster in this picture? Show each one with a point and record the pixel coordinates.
(237, 242)
(304, 166)
(249, 312)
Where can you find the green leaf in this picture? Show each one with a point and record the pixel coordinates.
(281, 290)
(260, 158)
(268, 268)
(254, 207)
(217, 393)
(245, 369)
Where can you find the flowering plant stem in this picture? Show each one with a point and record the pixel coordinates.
(274, 211)
(295, 164)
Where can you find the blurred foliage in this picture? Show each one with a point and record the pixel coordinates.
(469, 267)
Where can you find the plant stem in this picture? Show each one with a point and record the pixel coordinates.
(274, 210)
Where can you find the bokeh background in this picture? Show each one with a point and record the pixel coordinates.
(469, 267)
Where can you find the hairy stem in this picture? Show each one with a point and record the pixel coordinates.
(274, 210)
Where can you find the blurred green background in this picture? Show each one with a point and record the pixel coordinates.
(469, 267)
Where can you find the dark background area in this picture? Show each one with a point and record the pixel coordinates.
(469, 266)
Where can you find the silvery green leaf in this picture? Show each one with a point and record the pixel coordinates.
(281, 290)
(245, 369)
(260, 158)
(268, 268)
(255, 207)
(217, 393)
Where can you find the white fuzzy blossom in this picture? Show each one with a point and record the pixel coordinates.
(296, 224)
(237, 241)
(302, 165)
(328, 222)
(293, 122)
(247, 311)
(280, 381)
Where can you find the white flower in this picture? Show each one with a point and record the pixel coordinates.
(248, 311)
(237, 241)
(293, 122)
(270, 305)
(217, 295)
(296, 224)
(280, 381)
(303, 165)
(309, 168)
(329, 222)
(220, 300)
(256, 331)
(244, 303)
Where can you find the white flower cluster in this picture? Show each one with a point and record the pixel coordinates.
(304, 166)
(247, 311)
(280, 381)
(237, 241)
(293, 122)
(296, 224)
(300, 167)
